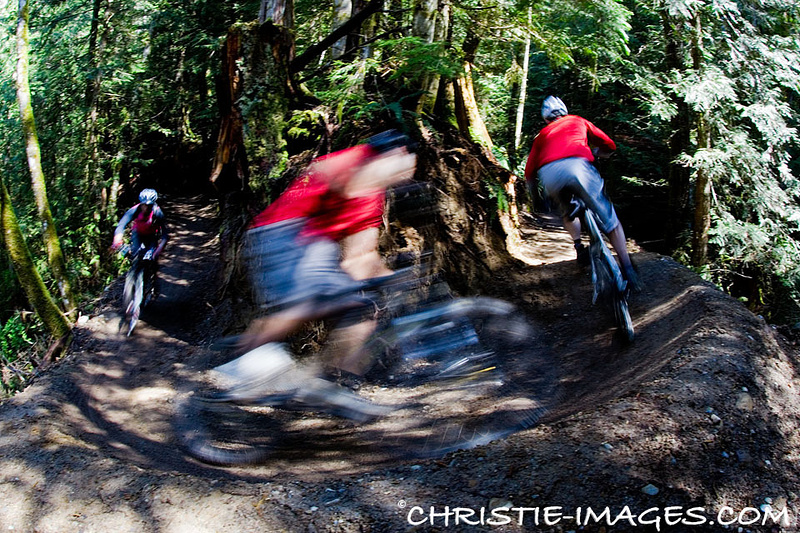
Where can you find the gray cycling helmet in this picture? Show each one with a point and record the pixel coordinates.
(148, 196)
(552, 108)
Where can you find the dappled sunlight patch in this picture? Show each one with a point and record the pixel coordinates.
(18, 481)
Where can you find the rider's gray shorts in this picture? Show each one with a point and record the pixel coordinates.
(575, 175)
(286, 268)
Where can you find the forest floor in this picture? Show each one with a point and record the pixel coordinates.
(695, 422)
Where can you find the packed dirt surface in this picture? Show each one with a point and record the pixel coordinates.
(693, 427)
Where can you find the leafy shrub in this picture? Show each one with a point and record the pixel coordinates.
(16, 349)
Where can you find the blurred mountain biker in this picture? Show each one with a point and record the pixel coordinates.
(148, 228)
(561, 158)
(307, 249)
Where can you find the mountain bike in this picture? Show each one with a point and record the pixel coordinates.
(609, 284)
(456, 372)
(140, 285)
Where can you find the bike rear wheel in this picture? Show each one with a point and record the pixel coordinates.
(217, 432)
(623, 317)
(607, 289)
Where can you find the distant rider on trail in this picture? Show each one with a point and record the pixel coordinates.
(148, 229)
(561, 158)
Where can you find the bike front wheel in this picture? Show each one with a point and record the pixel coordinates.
(607, 289)
(467, 372)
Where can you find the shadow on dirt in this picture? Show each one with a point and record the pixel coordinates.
(711, 420)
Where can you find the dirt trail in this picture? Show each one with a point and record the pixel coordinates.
(701, 411)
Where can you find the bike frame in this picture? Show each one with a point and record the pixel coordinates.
(602, 258)
(601, 253)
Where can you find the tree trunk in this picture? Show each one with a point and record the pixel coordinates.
(469, 119)
(426, 22)
(679, 176)
(254, 95)
(369, 29)
(55, 257)
(342, 11)
(445, 104)
(280, 12)
(30, 280)
(702, 189)
(523, 90)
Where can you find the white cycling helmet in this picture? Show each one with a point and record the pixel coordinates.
(148, 196)
(552, 108)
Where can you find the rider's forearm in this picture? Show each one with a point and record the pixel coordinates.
(126, 219)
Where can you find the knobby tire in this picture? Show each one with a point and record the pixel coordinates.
(605, 272)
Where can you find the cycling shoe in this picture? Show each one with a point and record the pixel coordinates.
(321, 395)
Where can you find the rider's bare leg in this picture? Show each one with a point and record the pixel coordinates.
(276, 327)
(617, 238)
(573, 227)
(343, 348)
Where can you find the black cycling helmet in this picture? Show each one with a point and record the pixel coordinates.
(389, 140)
(148, 196)
(552, 108)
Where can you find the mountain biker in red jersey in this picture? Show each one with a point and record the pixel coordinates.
(306, 249)
(561, 158)
(148, 228)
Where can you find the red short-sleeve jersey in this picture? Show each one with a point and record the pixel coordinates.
(329, 213)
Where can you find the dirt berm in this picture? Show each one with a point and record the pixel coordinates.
(695, 423)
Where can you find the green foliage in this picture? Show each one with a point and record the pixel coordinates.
(413, 59)
(14, 338)
(498, 193)
(17, 341)
(344, 93)
(356, 90)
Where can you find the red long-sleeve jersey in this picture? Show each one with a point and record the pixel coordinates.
(568, 136)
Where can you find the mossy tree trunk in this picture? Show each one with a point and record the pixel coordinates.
(469, 118)
(254, 95)
(55, 256)
(29, 278)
